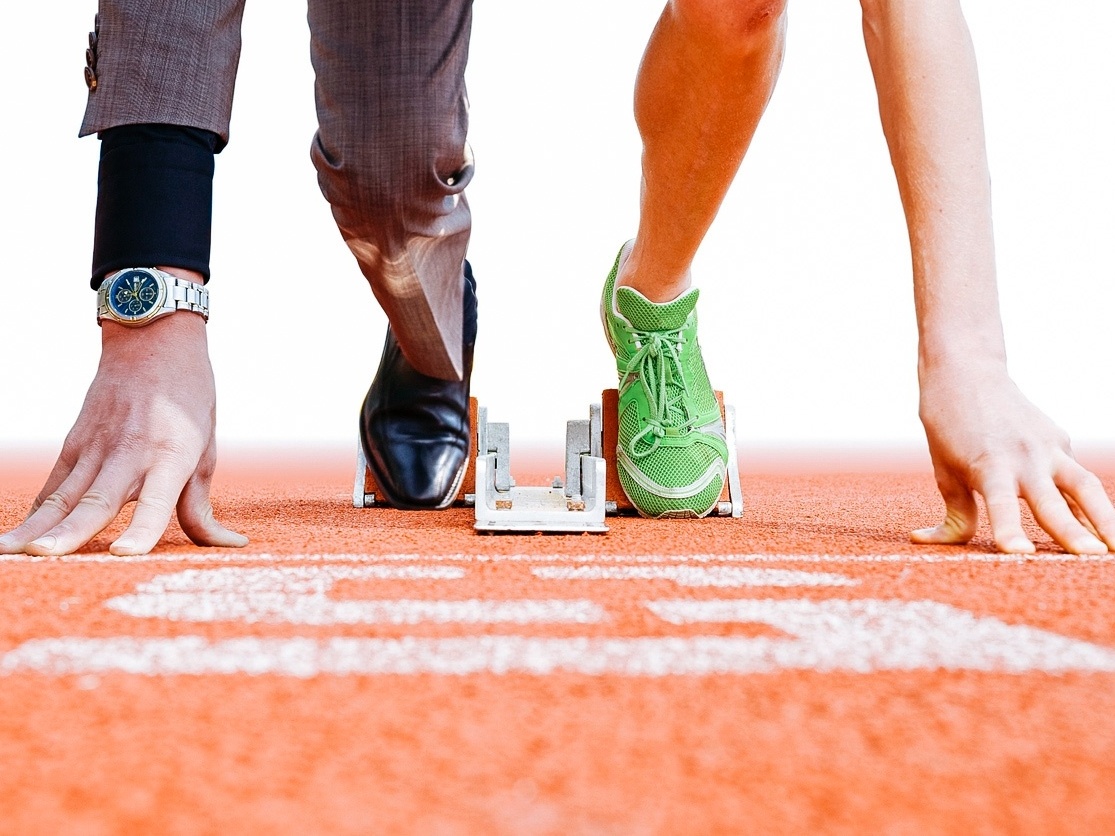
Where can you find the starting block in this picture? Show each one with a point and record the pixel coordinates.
(577, 503)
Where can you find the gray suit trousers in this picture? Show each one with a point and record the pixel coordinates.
(390, 150)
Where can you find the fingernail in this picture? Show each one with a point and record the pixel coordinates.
(124, 544)
(47, 542)
(1019, 545)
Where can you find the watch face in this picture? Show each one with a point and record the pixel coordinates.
(136, 294)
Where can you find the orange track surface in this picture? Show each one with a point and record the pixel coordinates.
(800, 748)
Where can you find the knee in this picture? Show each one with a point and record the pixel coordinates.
(730, 22)
(391, 181)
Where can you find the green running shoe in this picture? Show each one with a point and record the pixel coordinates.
(671, 454)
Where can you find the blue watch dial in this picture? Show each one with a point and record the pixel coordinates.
(135, 293)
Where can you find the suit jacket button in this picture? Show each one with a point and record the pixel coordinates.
(92, 40)
(91, 59)
(90, 79)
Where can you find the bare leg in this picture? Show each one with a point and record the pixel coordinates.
(984, 436)
(706, 78)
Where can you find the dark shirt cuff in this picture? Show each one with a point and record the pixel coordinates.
(154, 199)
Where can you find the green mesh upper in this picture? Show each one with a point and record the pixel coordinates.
(671, 454)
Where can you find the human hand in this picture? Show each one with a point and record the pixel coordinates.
(985, 437)
(144, 434)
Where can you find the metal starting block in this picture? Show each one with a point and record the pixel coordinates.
(574, 505)
(578, 503)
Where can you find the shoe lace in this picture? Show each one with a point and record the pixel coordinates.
(658, 367)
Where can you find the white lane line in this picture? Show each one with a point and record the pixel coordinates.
(318, 611)
(300, 595)
(994, 648)
(293, 578)
(696, 576)
(867, 635)
(240, 557)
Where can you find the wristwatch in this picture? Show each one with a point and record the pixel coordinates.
(137, 296)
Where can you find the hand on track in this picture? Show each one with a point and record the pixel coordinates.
(985, 437)
(145, 434)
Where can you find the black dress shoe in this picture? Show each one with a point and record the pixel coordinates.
(415, 429)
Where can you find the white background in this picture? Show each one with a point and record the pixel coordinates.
(807, 314)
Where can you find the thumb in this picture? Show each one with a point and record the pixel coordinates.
(195, 515)
(961, 513)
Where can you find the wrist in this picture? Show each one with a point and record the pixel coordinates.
(953, 356)
(958, 380)
(182, 331)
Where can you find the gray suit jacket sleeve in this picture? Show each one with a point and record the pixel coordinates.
(165, 61)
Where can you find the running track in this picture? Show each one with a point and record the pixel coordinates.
(353, 671)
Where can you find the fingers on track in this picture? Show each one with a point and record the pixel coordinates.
(1088, 500)
(961, 514)
(153, 509)
(1000, 494)
(96, 508)
(59, 498)
(195, 515)
(1050, 508)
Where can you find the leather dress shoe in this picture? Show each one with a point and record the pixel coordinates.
(414, 428)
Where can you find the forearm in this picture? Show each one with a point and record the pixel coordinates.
(929, 103)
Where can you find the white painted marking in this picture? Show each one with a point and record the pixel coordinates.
(300, 595)
(718, 576)
(240, 557)
(869, 635)
(994, 647)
